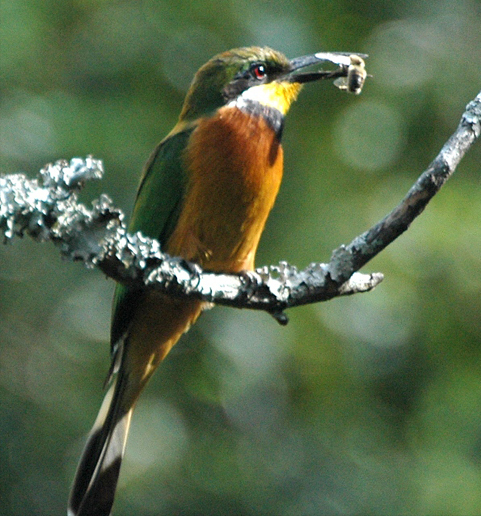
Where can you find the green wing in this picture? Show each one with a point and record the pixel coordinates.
(156, 211)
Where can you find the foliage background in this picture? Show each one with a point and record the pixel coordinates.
(366, 405)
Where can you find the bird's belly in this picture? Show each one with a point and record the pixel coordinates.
(235, 162)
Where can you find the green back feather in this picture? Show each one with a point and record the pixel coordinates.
(156, 211)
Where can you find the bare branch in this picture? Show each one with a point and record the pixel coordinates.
(370, 243)
(48, 209)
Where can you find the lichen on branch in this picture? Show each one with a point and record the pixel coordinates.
(47, 209)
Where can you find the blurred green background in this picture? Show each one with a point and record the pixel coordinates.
(369, 405)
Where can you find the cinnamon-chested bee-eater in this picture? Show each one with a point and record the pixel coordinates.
(205, 194)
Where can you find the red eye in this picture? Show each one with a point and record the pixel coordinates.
(259, 71)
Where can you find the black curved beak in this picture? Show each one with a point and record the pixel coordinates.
(344, 60)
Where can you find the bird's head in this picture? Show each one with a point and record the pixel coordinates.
(251, 73)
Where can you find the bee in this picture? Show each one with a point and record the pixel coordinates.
(351, 72)
(355, 76)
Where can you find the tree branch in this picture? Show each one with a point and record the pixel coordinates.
(48, 210)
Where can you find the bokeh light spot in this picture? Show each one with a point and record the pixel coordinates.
(369, 135)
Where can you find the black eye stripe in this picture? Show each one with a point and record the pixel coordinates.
(258, 72)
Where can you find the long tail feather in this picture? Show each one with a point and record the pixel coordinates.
(97, 474)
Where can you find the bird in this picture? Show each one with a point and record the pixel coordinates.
(205, 194)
